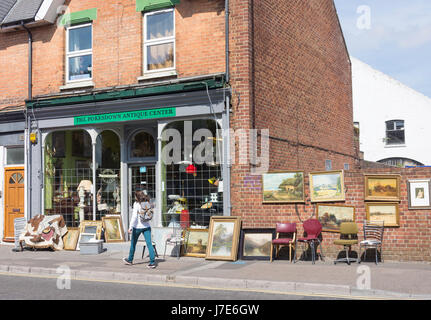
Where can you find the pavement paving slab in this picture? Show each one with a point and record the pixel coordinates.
(391, 280)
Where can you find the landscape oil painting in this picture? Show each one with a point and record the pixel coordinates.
(70, 240)
(223, 238)
(331, 216)
(388, 212)
(382, 187)
(283, 187)
(255, 244)
(327, 186)
(113, 229)
(196, 242)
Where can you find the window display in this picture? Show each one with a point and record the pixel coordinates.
(190, 191)
(69, 175)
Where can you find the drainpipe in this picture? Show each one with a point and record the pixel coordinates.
(227, 12)
(226, 183)
(27, 117)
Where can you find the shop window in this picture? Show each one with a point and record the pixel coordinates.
(395, 132)
(108, 159)
(143, 145)
(191, 191)
(14, 156)
(159, 41)
(79, 53)
(67, 166)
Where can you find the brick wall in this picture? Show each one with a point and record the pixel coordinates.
(295, 80)
(117, 47)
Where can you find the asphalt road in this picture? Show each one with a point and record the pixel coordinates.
(14, 287)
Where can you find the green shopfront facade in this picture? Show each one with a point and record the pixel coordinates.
(94, 150)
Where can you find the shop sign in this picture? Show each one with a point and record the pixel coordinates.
(125, 116)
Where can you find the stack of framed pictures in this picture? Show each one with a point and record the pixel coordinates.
(88, 230)
(383, 192)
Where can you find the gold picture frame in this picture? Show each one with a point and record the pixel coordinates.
(331, 216)
(383, 211)
(382, 187)
(91, 226)
(196, 242)
(327, 186)
(283, 187)
(113, 227)
(70, 239)
(223, 238)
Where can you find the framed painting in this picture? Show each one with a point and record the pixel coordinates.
(59, 144)
(419, 193)
(388, 212)
(327, 186)
(223, 237)
(70, 239)
(196, 242)
(91, 227)
(113, 228)
(382, 187)
(255, 244)
(283, 187)
(331, 216)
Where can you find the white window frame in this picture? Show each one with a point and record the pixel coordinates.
(78, 53)
(6, 150)
(147, 43)
(394, 130)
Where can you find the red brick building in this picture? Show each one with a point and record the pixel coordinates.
(111, 76)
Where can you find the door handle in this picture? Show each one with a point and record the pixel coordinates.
(16, 210)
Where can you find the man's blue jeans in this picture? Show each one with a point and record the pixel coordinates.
(147, 235)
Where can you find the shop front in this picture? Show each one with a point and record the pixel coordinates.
(91, 158)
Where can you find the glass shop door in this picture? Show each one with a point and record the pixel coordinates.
(142, 177)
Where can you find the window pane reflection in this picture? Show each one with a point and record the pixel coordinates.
(160, 56)
(80, 67)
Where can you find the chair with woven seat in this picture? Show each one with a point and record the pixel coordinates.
(286, 236)
(373, 238)
(312, 229)
(348, 238)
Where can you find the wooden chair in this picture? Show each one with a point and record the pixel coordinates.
(286, 236)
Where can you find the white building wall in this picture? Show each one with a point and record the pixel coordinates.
(378, 98)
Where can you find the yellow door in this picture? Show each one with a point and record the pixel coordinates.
(13, 200)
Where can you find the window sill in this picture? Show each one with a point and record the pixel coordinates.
(78, 85)
(395, 146)
(156, 75)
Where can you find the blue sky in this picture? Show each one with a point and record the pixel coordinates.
(398, 41)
